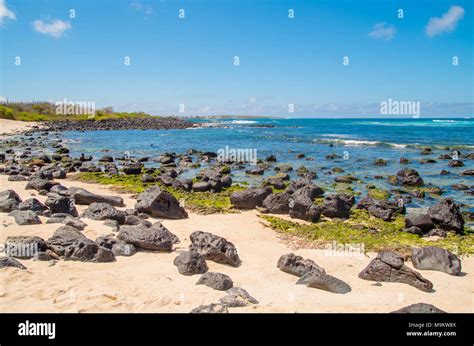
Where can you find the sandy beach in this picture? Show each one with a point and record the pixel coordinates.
(149, 282)
(9, 127)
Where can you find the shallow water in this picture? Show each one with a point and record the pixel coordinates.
(358, 141)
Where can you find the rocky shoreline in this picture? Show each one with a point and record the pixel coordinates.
(136, 225)
(148, 123)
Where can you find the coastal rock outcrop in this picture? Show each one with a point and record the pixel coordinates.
(61, 204)
(324, 281)
(446, 215)
(84, 197)
(39, 184)
(297, 265)
(214, 248)
(409, 177)
(86, 250)
(33, 205)
(277, 203)
(104, 211)
(24, 246)
(422, 221)
(119, 248)
(25, 217)
(217, 281)
(153, 238)
(190, 263)
(249, 198)
(9, 201)
(338, 205)
(435, 258)
(390, 267)
(63, 237)
(381, 209)
(159, 203)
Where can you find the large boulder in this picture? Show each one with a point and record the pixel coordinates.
(24, 246)
(215, 248)
(84, 197)
(277, 203)
(202, 186)
(217, 281)
(39, 184)
(338, 205)
(34, 205)
(302, 207)
(390, 267)
(435, 258)
(63, 237)
(154, 238)
(9, 201)
(446, 215)
(409, 177)
(61, 204)
(381, 209)
(419, 308)
(250, 198)
(190, 263)
(297, 265)
(86, 250)
(25, 217)
(304, 187)
(132, 168)
(422, 221)
(104, 211)
(323, 281)
(159, 203)
(173, 237)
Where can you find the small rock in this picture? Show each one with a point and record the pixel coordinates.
(216, 281)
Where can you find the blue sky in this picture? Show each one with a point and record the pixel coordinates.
(283, 61)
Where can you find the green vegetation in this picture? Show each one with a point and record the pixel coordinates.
(199, 202)
(374, 233)
(378, 194)
(345, 188)
(45, 111)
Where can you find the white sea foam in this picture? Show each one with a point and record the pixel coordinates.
(358, 143)
(242, 122)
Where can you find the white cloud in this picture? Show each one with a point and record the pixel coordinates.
(383, 31)
(5, 13)
(446, 23)
(147, 9)
(55, 28)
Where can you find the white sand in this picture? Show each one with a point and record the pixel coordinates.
(149, 282)
(9, 127)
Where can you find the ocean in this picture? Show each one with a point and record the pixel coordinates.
(357, 142)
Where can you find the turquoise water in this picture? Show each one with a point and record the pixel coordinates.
(359, 141)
